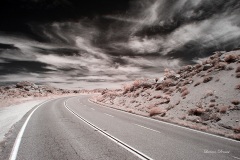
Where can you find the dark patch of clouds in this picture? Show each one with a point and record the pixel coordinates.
(18, 67)
(7, 46)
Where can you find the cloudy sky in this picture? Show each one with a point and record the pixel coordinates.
(105, 43)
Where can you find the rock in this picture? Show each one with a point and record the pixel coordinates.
(207, 66)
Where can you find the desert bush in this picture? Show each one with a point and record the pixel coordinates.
(170, 107)
(238, 75)
(177, 103)
(168, 82)
(237, 69)
(209, 93)
(198, 65)
(230, 58)
(132, 101)
(237, 87)
(183, 89)
(196, 84)
(215, 117)
(184, 93)
(235, 102)
(210, 70)
(196, 111)
(157, 110)
(229, 68)
(207, 79)
(212, 100)
(221, 65)
(236, 129)
(223, 109)
(158, 96)
(211, 105)
(159, 87)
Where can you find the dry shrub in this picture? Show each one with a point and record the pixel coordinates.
(151, 106)
(221, 66)
(158, 96)
(196, 111)
(237, 87)
(170, 107)
(209, 93)
(238, 69)
(236, 129)
(132, 101)
(196, 84)
(157, 110)
(230, 58)
(238, 75)
(207, 79)
(211, 105)
(198, 65)
(127, 88)
(184, 93)
(168, 82)
(215, 117)
(212, 100)
(178, 102)
(229, 68)
(183, 89)
(159, 87)
(210, 70)
(235, 102)
(223, 109)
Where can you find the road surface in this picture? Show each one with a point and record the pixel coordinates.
(74, 128)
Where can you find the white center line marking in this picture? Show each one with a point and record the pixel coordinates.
(108, 115)
(119, 142)
(92, 109)
(235, 157)
(147, 128)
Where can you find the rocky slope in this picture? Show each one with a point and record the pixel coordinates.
(23, 91)
(205, 96)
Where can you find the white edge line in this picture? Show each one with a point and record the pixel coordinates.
(235, 157)
(109, 136)
(146, 128)
(109, 115)
(169, 123)
(17, 142)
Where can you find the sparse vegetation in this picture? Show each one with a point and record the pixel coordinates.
(237, 87)
(237, 69)
(162, 98)
(238, 75)
(157, 110)
(207, 79)
(230, 58)
(221, 66)
(223, 109)
(184, 93)
(196, 111)
(235, 102)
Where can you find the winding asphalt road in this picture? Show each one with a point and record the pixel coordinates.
(74, 128)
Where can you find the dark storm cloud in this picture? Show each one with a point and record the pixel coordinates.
(16, 67)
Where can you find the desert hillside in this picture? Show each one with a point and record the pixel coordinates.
(24, 91)
(204, 96)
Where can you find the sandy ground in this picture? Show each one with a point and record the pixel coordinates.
(12, 114)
